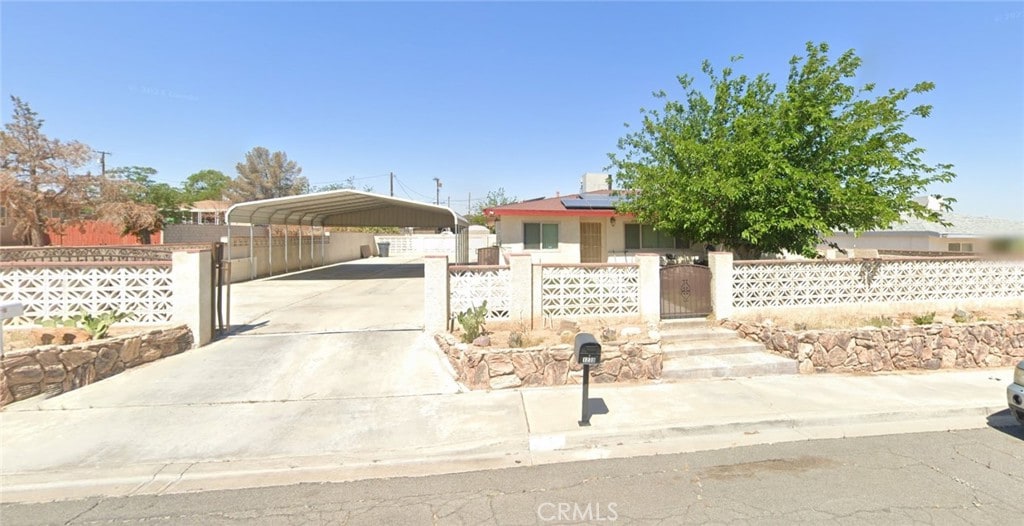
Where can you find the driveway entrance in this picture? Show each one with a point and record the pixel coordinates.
(311, 357)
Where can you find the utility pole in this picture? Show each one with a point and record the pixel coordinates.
(437, 197)
(469, 204)
(103, 161)
(392, 174)
(449, 201)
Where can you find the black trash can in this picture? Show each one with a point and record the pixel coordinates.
(383, 249)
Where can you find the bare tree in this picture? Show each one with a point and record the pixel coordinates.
(265, 175)
(39, 186)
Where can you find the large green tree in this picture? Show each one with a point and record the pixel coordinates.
(41, 187)
(266, 175)
(493, 198)
(205, 185)
(762, 169)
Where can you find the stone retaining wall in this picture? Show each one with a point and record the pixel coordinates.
(54, 369)
(497, 368)
(936, 346)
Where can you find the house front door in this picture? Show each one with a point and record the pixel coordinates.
(591, 249)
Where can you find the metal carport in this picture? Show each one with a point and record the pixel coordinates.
(348, 208)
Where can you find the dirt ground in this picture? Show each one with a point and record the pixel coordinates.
(502, 334)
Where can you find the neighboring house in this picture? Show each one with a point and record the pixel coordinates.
(965, 234)
(581, 228)
(208, 212)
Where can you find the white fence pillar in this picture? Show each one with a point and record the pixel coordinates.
(521, 289)
(436, 294)
(192, 302)
(720, 264)
(650, 287)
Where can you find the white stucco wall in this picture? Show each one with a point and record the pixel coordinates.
(510, 237)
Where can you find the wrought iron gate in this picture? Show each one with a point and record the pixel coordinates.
(685, 291)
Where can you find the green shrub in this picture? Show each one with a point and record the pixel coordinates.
(880, 321)
(96, 325)
(472, 322)
(925, 319)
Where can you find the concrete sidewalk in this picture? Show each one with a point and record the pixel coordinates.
(203, 446)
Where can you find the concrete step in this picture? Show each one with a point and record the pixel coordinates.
(702, 334)
(736, 345)
(727, 365)
(686, 323)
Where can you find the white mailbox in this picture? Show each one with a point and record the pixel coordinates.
(11, 309)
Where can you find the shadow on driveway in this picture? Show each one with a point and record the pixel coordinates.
(357, 271)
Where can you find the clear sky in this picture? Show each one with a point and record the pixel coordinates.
(525, 96)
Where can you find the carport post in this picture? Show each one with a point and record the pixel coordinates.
(286, 249)
(323, 246)
(300, 245)
(312, 261)
(270, 252)
(252, 256)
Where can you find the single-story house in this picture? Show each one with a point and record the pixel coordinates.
(582, 228)
(206, 212)
(965, 234)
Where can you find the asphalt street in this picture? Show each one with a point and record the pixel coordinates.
(973, 477)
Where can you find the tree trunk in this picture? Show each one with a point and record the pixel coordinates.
(38, 236)
(145, 237)
(745, 252)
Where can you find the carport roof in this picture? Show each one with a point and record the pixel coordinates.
(343, 208)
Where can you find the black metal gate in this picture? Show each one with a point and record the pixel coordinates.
(685, 291)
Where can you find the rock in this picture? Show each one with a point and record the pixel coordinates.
(105, 360)
(803, 351)
(21, 392)
(568, 326)
(24, 375)
(603, 379)
(534, 379)
(75, 358)
(130, 350)
(630, 332)
(560, 354)
(53, 373)
(836, 357)
(609, 334)
(48, 358)
(523, 364)
(479, 377)
(806, 367)
(626, 374)
(499, 364)
(482, 341)
(611, 367)
(505, 382)
(555, 373)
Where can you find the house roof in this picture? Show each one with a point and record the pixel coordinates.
(208, 205)
(591, 204)
(962, 226)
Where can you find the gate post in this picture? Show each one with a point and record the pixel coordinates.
(720, 264)
(191, 301)
(436, 295)
(650, 287)
(521, 289)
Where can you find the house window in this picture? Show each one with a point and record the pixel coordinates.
(961, 247)
(646, 237)
(540, 235)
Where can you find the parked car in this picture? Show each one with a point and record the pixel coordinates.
(1015, 393)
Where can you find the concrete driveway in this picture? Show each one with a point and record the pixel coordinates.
(326, 362)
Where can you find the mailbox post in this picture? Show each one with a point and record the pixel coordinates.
(8, 309)
(588, 352)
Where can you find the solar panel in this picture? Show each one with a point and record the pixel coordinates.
(602, 202)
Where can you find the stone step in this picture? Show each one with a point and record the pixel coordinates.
(702, 334)
(736, 345)
(727, 365)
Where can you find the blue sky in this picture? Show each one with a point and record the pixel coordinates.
(525, 96)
